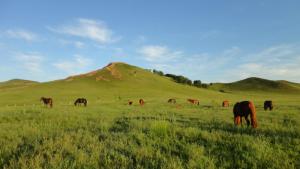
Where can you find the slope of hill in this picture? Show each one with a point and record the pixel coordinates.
(16, 83)
(259, 85)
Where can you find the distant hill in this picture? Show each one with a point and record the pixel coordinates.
(258, 84)
(16, 83)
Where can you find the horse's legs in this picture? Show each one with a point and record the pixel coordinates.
(248, 121)
(241, 120)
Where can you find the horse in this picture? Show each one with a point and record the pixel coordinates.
(243, 109)
(80, 101)
(193, 101)
(225, 103)
(130, 102)
(268, 104)
(47, 101)
(142, 102)
(172, 101)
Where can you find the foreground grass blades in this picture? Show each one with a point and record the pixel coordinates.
(121, 136)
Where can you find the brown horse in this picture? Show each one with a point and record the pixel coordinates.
(47, 101)
(130, 102)
(172, 101)
(80, 101)
(142, 102)
(225, 103)
(243, 109)
(193, 101)
(268, 104)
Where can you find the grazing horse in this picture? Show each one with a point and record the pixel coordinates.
(80, 101)
(193, 101)
(268, 104)
(47, 101)
(243, 109)
(142, 102)
(172, 101)
(225, 103)
(130, 102)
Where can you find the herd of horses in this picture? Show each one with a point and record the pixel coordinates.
(241, 110)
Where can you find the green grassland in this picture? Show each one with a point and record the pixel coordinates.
(111, 134)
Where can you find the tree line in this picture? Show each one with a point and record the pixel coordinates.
(182, 79)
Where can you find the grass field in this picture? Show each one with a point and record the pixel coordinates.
(110, 134)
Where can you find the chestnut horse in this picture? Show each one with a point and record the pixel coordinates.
(47, 101)
(172, 101)
(193, 101)
(225, 103)
(243, 109)
(80, 101)
(268, 104)
(142, 102)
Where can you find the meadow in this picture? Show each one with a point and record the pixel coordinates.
(108, 133)
(156, 135)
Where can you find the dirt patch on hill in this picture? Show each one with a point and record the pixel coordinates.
(113, 70)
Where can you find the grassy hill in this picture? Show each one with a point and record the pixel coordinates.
(16, 83)
(115, 82)
(120, 82)
(255, 84)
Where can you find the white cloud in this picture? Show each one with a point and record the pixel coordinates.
(21, 34)
(89, 29)
(76, 65)
(156, 53)
(30, 61)
(77, 44)
(275, 62)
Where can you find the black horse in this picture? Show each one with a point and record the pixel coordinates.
(244, 109)
(47, 101)
(172, 100)
(268, 104)
(80, 101)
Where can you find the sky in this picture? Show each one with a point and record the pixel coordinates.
(207, 40)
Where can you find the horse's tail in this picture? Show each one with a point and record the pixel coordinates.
(253, 115)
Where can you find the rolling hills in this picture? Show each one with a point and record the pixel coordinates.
(121, 82)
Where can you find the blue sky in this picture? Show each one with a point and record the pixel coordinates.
(214, 41)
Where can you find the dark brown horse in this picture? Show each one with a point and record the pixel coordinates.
(268, 104)
(130, 102)
(244, 109)
(225, 103)
(47, 101)
(142, 102)
(193, 101)
(172, 101)
(80, 101)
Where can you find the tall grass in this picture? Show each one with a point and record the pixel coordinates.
(156, 135)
